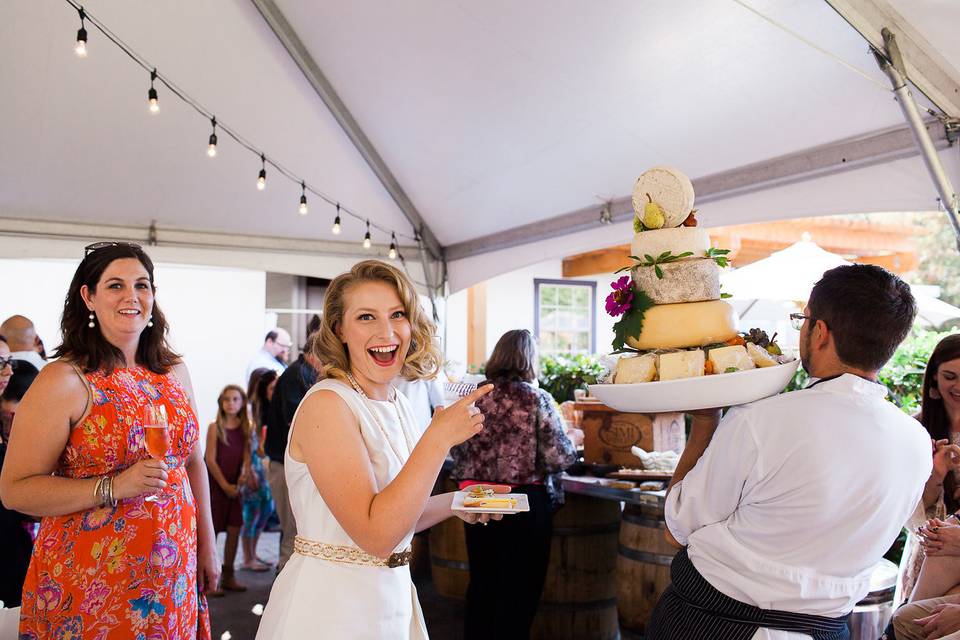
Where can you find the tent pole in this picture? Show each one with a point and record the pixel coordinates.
(891, 64)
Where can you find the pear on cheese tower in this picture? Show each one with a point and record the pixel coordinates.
(668, 188)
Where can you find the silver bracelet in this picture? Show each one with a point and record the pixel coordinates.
(98, 492)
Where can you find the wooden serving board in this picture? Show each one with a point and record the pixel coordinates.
(640, 474)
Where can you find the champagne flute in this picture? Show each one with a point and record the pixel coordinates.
(156, 438)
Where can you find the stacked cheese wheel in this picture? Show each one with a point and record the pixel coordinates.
(682, 279)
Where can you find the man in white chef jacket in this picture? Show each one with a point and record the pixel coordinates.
(784, 506)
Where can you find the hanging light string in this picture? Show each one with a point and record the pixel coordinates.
(153, 98)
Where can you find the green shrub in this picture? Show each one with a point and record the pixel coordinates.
(560, 375)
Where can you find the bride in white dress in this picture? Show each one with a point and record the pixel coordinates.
(359, 472)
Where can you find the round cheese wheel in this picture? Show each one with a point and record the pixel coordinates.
(677, 240)
(669, 188)
(694, 324)
(690, 280)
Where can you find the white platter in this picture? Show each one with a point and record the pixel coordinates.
(523, 503)
(690, 394)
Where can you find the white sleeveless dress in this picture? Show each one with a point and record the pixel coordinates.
(316, 598)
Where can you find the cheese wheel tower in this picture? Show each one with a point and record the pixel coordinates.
(688, 311)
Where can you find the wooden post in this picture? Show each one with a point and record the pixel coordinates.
(477, 324)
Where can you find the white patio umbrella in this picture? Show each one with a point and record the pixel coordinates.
(790, 274)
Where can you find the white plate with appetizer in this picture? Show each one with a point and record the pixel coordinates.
(488, 501)
(699, 392)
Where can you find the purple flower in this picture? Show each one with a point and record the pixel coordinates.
(621, 299)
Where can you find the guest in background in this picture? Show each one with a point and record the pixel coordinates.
(77, 459)
(290, 389)
(257, 497)
(16, 387)
(273, 354)
(425, 396)
(940, 416)
(522, 444)
(227, 455)
(15, 527)
(252, 381)
(23, 340)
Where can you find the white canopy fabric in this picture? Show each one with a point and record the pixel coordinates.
(790, 274)
(489, 115)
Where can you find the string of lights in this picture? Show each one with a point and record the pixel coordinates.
(153, 104)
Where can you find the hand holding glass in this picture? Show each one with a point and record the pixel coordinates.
(156, 438)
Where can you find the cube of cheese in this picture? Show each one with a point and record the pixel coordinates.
(638, 368)
(680, 364)
(726, 358)
(760, 356)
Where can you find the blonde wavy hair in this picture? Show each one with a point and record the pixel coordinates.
(423, 357)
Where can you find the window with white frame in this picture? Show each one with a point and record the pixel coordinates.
(565, 321)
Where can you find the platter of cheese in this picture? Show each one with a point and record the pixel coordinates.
(471, 502)
(699, 392)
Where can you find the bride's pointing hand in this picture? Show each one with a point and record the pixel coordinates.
(461, 420)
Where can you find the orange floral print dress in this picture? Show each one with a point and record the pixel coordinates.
(131, 571)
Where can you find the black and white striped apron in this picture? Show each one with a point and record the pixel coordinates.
(692, 609)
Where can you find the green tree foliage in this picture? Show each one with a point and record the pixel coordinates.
(560, 375)
(939, 258)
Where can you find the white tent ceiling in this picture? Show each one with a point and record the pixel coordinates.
(489, 115)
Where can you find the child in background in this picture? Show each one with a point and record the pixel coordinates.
(227, 455)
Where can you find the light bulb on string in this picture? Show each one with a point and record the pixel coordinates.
(303, 199)
(262, 178)
(366, 237)
(212, 147)
(393, 246)
(152, 94)
(81, 48)
(336, 222)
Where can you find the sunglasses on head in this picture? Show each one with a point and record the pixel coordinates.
(90, 248)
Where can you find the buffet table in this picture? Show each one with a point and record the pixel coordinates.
(608, 565)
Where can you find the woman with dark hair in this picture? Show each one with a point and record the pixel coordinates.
(257, 498)
(108, 562)
(940, 416)
(522, 444)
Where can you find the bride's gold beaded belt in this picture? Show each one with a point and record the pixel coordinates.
(348, 554)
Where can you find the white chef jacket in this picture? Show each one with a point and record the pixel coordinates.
(798, 496)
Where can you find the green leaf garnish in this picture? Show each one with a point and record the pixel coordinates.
(631, 323)
(657, 270)
(731, 370)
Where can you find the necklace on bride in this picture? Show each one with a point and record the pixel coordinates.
(376, 418)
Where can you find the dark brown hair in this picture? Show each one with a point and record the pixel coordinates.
(933, 414)
(258, 395)
(868, 309)
(86, 346)
(514, 357)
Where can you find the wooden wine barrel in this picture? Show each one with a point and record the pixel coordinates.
(448, 554)
(580, 593)
(643, 565)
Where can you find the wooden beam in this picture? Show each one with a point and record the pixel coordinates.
(600, 261)
(477, 325)
(892, 245)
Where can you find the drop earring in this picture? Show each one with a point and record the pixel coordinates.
(91, 324)
(150, 321)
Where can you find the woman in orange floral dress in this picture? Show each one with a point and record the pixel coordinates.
(107, 563)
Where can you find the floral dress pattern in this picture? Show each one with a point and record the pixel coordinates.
(128, 571)
(519, 419)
